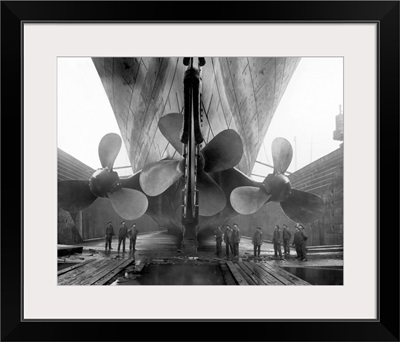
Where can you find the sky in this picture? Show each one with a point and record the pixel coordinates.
(305, 116)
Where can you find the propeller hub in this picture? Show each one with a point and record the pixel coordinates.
(278, 186)
(103, 181)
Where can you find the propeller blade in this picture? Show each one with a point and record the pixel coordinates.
(109, 147)
(248, 199)
(74, 195)
(129, 204)
(282, 154)
(170, 126)
(157, 177)
(303, 207)
(223, 152)
(212, 198)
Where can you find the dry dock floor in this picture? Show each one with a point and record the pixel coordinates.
(159, 252)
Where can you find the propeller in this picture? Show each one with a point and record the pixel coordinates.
(74, 195)
(298, 205)
(303, 206)
(157, 177)
(77, 195)
(128, 203)
(282, 154)
(170, 126)
(247, 200)
(224, 151)
(109, 148)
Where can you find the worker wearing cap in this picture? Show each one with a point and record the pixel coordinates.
(132, 234)
(218, 240)
(303, 244)
(257, 242)
(277, 240)
(286, 235)
(228, 240)
(109, 235)
(236, 239)
(122, 234)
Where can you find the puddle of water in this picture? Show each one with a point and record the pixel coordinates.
(177, 274)
(318, 276)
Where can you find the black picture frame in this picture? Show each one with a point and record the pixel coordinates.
(384, 13)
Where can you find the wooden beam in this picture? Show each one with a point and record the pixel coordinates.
(238, 277)
(251, 274)
(67, 269)
(67, 278)
(249, 280)
(262, 274)
(229, 280)
(105, 270)
(278, 271)
(113, 273)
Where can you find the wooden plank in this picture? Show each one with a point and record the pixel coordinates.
(276, 275)
(104, 273)
(229, 280)
(101, 273)
(114, 272)
(245, 276)
(67, 269)
(104, 265)
(251, 274)
(262, 274)
(287, 275)
(66, 278)
(238, 277)
(89, 271)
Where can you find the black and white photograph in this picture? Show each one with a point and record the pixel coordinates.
(200, 171)
(166, 150)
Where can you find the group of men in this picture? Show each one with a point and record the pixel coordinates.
(284, 237)
(123, 233)
(231, 237)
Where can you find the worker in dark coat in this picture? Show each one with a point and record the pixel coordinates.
(236, 239)
(218, 240)
(277, 240)
(122, 234)
(303, 245)
(257, 241)
(297, 242)
(132, 234)
(286, 235)
(109, 235)
(228, 240)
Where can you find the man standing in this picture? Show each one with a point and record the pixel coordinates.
(286, 235)
(236, 239)
(277, 240)
(132, 234)
(218, 240)
(122, 233)
(109, 235)
(257, 242)
(297, 241)
(228, 240)
(303, 243)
